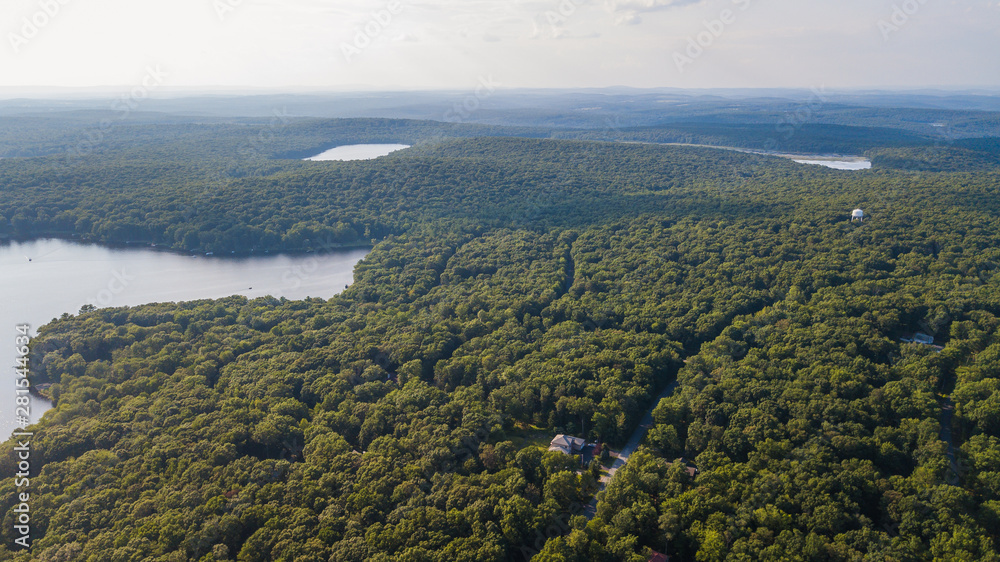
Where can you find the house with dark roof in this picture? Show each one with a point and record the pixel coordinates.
(918, 338)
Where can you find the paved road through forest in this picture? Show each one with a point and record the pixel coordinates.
(629, 448)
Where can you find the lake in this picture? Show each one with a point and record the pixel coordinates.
(42, 279)
(358, 152)
(838, 164)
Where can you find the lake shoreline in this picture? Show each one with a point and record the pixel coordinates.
(253, 253)
(355, 152)
(46, 278)
(813, 158)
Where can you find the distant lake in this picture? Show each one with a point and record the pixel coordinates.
(849, 164)
(62, 276)
(838, 162)
(358, 152)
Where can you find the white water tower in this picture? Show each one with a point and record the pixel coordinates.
(857, 215)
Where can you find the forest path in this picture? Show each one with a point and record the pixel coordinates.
(570, 271)
(633, 443)
(645, 424)
(955, 464)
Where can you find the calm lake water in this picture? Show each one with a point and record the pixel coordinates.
(358, 152)
(853, 164)
(62, 276)
(838, 162)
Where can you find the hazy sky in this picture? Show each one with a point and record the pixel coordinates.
(426, 44)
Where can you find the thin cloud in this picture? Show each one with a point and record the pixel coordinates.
(543, 43)
(629, 12)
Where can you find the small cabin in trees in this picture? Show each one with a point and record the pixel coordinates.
(918, 338)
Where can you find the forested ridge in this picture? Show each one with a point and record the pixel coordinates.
(520, 288)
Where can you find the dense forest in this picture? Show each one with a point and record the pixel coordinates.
(518, 288)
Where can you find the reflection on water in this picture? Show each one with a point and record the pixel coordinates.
(41, 280)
